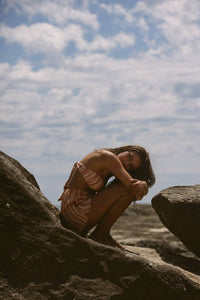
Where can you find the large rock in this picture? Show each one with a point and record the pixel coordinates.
(39, 259)
(179, 210)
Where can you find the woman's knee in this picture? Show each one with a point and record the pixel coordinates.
(122, 191)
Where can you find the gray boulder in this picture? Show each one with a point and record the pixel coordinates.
(40, 259)
(179, 210)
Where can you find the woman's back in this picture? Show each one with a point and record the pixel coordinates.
(90, 172)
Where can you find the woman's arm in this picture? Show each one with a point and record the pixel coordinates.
(137, 187)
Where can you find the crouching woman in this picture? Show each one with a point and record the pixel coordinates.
(89, 202)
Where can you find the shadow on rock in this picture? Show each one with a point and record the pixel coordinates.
(174, 254)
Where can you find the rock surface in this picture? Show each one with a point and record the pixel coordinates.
(179, 210)
(141, 229)
(39, 259)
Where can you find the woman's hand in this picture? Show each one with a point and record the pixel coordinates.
(138, 188)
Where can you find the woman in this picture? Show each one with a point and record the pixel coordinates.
(88, 202)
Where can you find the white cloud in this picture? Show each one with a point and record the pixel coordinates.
(54, 114)
(177, 21)
(48, 39)
(143, 24)
(43, 37)
(118, 10)
(100, 43)
(114, 92)
(59, 11)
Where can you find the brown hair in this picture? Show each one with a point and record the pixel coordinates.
(145, 171)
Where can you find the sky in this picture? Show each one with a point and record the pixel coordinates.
(81, 75)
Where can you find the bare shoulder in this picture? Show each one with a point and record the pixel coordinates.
(110, 158)
(107, 155)
(100, 158)
(97, 155)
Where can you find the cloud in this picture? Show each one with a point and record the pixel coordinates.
(119, 104)
(48, 39)
(118, 10)
(188, 91)
(43, 37)
(54, 114)
(177, 21)
(100, 43)
(174, 24)
(59, 11)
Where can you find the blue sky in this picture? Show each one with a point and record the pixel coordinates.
(82, 75)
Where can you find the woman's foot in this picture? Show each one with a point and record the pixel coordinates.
(105, 239)
(115, 243)
(100, 238)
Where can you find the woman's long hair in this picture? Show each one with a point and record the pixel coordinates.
(145, 171)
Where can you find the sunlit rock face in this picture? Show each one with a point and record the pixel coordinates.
(40, 259)
(179, 210)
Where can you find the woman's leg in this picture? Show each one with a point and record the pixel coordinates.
(106, 208)
(102, 231)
